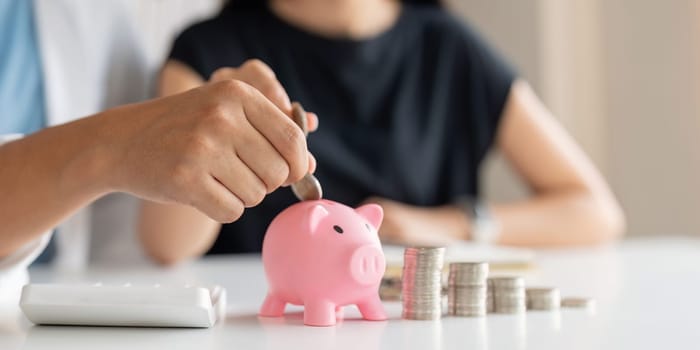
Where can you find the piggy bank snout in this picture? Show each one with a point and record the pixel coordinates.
(367, 264)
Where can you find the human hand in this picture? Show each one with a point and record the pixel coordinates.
(219, 148)
(420, 226)
(259, 75)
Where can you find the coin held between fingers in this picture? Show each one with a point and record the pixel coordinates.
(308, 188)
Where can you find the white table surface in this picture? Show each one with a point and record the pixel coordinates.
(647, 294)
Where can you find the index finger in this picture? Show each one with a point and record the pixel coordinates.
(284, 135)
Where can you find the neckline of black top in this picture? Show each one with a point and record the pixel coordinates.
(305, 37)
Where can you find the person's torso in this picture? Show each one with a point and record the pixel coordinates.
(395, 113)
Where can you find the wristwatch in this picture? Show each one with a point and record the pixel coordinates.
(485, 229)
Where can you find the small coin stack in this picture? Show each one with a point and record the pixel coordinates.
(508, 295)
(543, 298)
(466, 289)
(421, 283)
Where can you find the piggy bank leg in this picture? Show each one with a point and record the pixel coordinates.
(272, 306)
(339, 312)
(319, 313)
(372, 309)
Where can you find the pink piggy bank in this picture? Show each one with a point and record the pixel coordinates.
(324, 255)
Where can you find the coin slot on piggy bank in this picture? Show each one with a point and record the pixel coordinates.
(324, 255)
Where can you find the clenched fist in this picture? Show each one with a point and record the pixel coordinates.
(219, 148)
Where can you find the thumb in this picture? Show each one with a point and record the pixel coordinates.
(225, 73)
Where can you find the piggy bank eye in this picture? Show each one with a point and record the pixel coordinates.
(368, 228)
(338, 229)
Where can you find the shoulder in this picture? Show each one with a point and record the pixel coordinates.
(446, 34)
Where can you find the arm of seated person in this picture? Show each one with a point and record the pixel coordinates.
(571, 203)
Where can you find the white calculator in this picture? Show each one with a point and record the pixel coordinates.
(123, 305)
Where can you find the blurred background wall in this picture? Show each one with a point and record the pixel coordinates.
(623, 76)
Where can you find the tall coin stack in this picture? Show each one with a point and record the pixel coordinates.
(543, 298)
(466, 289)
(509, 295)
(421, 283)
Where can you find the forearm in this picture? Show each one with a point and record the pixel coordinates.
(170, 232)
(572, 204)
(47, 176)
(565, 218)
(167, 150)
(562, 218)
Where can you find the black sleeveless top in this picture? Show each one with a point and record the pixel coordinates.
(407, 115)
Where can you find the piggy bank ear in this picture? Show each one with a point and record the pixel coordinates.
(373, 213)
(315, 215)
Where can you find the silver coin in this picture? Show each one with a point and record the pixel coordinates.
(508, 294)
(421, 283)
(467, 289)
(308, 188)
(543, 298)
(577, 302)
(468, 272)
(507, 282)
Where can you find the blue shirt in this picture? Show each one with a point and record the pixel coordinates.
(22, 106)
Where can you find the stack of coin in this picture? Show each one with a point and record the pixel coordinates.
(421, 283)
(509, 295)
(466, 289)
(543, 298)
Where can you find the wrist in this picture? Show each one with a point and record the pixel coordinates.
(91, 166)
(483, 226)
